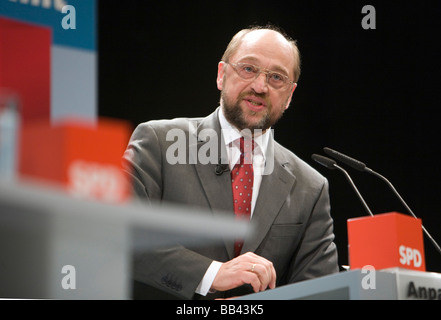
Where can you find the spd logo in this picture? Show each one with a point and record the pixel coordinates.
(96, 181)
(410, 256)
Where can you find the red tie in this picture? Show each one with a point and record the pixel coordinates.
(242, 177)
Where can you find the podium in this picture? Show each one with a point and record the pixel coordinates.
(360, 284)
(387, 266)
(54, 246)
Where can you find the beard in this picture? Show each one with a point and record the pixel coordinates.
(236, 116)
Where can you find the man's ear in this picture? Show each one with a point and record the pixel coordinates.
(220, 74)
(290, 98)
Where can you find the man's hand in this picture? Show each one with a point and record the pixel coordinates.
(247, 268)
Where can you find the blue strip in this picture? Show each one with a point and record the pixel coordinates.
(83, 37)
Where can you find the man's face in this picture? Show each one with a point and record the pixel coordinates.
(254, 104)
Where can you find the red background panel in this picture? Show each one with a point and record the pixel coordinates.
(25, 55)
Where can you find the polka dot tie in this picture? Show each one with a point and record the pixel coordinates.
(242, 177)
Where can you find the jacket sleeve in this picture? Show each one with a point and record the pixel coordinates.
(142, 163)
(175, 270)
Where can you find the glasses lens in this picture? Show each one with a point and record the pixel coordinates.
(276, 80)
(249, 71)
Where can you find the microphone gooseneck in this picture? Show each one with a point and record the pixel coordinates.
(331, 164)
(358, 165)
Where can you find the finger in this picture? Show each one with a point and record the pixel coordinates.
(270, 274)
(266, 276)
(250, 256)
(262, 274)
(264, 268)
(254, 258)
(272, 284)
(253, 280)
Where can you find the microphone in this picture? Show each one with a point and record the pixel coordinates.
(221, 168)
(358, 165)
(331, 164)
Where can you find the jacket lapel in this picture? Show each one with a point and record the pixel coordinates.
(217, 187)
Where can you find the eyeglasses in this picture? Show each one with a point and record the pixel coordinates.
(250, 72)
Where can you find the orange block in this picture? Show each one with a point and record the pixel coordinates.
(386, 240)
(84, 158)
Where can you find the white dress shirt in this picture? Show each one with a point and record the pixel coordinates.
(231, 136)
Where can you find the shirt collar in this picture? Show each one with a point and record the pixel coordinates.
(231, 133)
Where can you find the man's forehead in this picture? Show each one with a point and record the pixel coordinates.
(265, 34)
(266, 44)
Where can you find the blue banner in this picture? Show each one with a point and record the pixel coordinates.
(74, 26)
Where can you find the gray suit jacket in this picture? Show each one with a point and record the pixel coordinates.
(291, 216)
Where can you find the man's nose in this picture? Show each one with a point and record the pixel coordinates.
(260, 84)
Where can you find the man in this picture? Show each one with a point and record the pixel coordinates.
(286, 199)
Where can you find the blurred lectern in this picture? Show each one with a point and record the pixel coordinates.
(54, 246)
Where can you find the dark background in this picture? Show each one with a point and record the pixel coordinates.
(372, 94)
